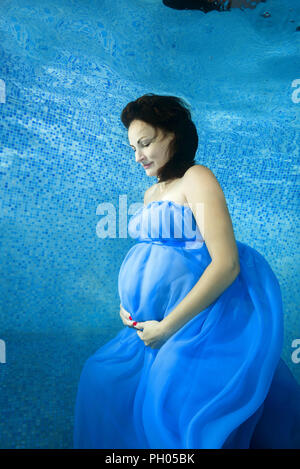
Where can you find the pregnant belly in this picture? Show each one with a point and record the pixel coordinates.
(154, 278)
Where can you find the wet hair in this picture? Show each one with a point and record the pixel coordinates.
(169, 114)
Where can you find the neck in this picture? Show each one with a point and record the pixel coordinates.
(163, 184)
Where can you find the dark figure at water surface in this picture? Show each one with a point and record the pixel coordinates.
(209, 5)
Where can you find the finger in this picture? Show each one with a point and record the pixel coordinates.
(125, 313)
(125, 321)
(129, 323)
(124, 318)
(139, 325)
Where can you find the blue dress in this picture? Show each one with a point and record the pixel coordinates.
(219, 381)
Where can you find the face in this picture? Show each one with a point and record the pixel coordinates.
(151, 147)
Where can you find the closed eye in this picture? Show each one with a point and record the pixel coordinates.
(147, 145)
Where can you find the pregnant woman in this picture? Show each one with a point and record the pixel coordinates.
(198, 363)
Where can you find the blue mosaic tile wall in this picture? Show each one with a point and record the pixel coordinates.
(67, 69)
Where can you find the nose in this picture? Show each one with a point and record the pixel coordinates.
(139, 156)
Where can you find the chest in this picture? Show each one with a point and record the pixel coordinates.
(173, 191)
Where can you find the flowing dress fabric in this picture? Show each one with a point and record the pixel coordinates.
(219, 381)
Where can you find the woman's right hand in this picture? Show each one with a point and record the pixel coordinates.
(125, 318)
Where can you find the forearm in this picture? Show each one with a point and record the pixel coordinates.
(212, 283)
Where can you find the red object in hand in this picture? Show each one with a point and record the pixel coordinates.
(130, 318)
(135, 323)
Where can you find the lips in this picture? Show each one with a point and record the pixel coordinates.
(147, 165)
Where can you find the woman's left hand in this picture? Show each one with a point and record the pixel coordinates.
(152, 333)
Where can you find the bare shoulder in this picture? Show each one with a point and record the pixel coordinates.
(200, 179)
(196, 171)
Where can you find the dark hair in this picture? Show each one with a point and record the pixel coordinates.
(170, 114)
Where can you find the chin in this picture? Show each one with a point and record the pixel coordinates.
(150, 172)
